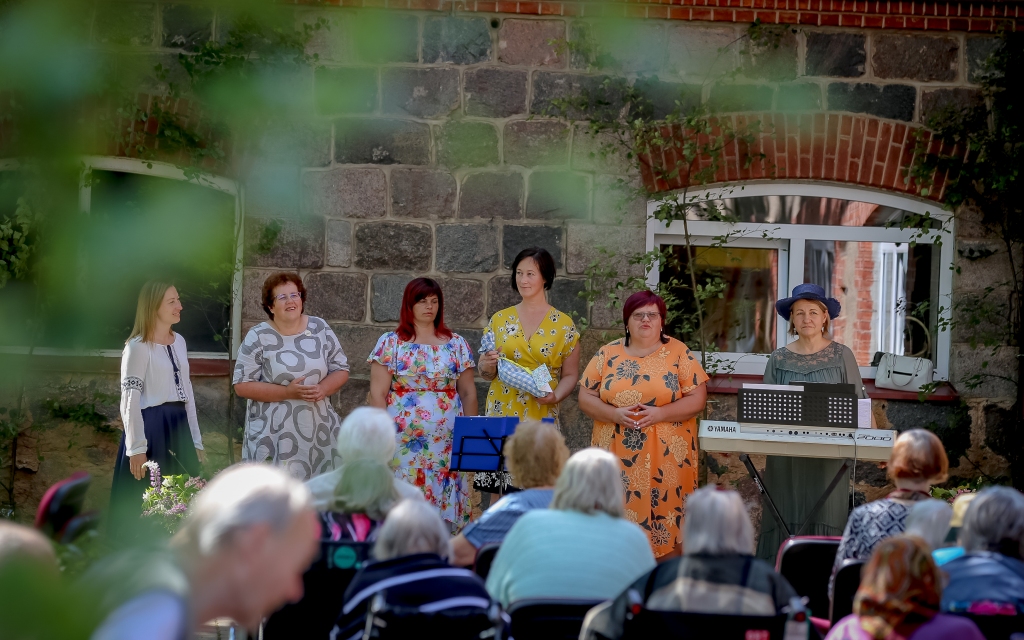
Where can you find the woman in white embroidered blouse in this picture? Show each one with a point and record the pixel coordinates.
(158, 406)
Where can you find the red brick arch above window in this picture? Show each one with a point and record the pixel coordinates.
(846, 148)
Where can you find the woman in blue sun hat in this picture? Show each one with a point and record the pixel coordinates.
(795, 484)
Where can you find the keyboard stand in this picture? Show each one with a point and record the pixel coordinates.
(745, 459)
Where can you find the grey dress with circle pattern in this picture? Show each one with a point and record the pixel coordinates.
(295, 434)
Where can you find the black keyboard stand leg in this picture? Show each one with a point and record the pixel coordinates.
(821, 501)
(745, 459)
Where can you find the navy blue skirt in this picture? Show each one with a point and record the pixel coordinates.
(169, 443)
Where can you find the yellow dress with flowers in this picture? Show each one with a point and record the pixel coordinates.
(550, 345)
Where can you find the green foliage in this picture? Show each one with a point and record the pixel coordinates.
(949, 494)
(168, 499)
(17, 243)
(82, 413)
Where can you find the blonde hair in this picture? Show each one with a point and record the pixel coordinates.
(535, 454)
(827, 327)
(150, 298)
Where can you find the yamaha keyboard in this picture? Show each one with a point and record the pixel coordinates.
(796, 441)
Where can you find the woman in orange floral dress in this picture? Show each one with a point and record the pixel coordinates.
(644, 392)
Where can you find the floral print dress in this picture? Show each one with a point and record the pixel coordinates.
(659, 462)
(424, 403)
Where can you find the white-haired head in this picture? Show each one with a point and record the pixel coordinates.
(367, 433)
(590, 482)
(240, 497)
(413, 526)
(717, 523)
(995, 522)
(929, 520)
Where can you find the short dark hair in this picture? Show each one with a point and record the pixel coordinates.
(545, 263)
(274, 281)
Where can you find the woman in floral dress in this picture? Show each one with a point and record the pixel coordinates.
(644, 393)
(422, 374)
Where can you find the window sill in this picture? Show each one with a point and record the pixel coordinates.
(731, 383)
(198, 367)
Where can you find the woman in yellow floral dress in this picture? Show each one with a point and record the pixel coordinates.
(531, 333)
(644, 393)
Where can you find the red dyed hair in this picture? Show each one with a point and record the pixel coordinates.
(642, 299)
(415, 291)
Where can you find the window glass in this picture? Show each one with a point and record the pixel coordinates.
(807, 210)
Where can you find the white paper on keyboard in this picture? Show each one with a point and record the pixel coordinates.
(863, 413)
(773, 387)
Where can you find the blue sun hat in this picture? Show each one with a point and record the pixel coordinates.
(807, 291)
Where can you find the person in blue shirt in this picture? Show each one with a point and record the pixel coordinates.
(534, 455)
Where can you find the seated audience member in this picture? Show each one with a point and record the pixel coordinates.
(240, 554)
(367, 433)
(582, 547)
(19, 543)
(918, 459)
(411, 567)
(929, 520)
(989, 577)
(899, 598)
(716, 574)
(956, 524)
(535, 455)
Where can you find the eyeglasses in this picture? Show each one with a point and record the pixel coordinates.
(641, 316)
(281, 297)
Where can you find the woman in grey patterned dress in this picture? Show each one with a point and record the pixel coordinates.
(287, 368)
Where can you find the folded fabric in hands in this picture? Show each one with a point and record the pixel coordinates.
(535, 382)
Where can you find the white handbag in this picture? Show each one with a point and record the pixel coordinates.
(903, 373)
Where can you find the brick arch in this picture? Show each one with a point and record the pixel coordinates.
(843, 148)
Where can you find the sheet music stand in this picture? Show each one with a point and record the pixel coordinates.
(478, 442)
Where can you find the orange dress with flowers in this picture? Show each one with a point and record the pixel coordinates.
(659, 462)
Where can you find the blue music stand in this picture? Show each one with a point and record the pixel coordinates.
(478, 442)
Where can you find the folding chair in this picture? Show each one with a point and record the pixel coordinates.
(59, 515)
(847, 583)
(484, 559)
(675, 625)
(806, 562)
(549, 619)
(456, 622)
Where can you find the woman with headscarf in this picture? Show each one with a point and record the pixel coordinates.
(899, 598)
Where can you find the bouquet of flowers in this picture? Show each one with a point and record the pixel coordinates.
(168, 497)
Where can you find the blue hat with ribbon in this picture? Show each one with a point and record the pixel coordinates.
(807, 291)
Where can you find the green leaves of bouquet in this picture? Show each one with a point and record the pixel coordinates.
(168, 497)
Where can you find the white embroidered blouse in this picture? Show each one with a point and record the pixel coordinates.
(148, 379)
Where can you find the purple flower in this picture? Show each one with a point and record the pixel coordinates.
(154, 474)
(177, 509)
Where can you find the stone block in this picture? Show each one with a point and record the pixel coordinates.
(983, 372)
(463, 303)
(456, 40)
(799, 96)
(354, 394)
(605, 313)
(288, 244)
(558, 195)
(333, 44)
(742, 97)
(421, 193)
(894, 101)
(978, 51)
(466, 248)
(836, 55)
(515, 238)
(339, 243)
(626, 46)
(467, 144)
(300, 143)
(336, 296)
(339, 90)
(500, 294)
(576, 427)
(345, 192)
(565, 296)
(658, 98)
(358, 341)
(529, 42)
(980, 264)
(125, 24)
(272, 191)
(385, 36)
(617, 201)
(252, 294)
(912, 57)
(494, 92)
(700, 52)
(492, 195)
(936, 101)
(980, 317)
(185, 26)
(771, 58)
(386, 296)
(422, 93)
(602, 152)
(536, 142)
(393, 245)
(371, 141)
(589, 97)
(611, 247)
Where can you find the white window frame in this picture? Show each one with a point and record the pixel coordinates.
(172, 172)
(794, 235)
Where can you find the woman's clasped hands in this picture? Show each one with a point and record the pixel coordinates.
(638, 416)
(307, 392)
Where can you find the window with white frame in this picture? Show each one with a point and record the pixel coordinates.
(886, 259)
(137, 221)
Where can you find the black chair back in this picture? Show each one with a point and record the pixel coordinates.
(388, 622)
(806, 562)
(324, 585)
(997, 627)
(549, 619)
(676, 625)
(484, 559)
(847, 583)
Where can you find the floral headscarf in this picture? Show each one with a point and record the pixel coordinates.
(900, 590)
